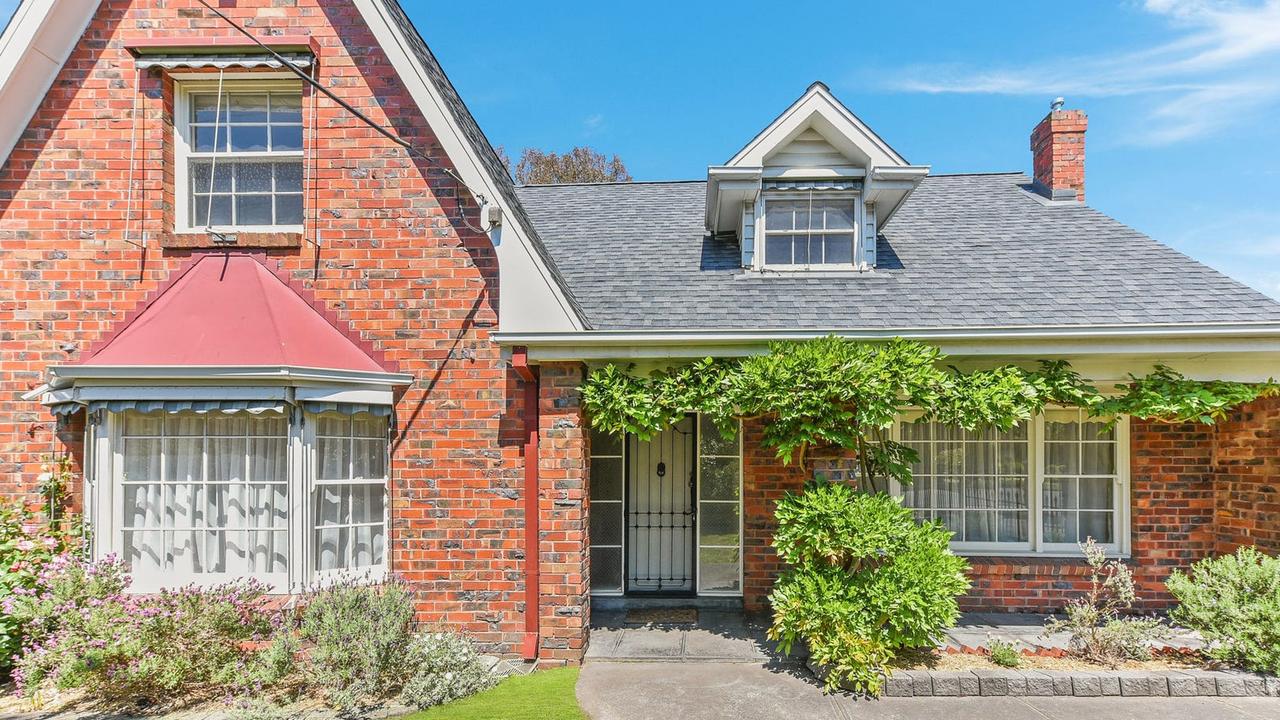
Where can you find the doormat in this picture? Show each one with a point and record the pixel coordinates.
(662, 616)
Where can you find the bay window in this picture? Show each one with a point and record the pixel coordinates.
(1042, 487)
(809, 229)
(279, 494)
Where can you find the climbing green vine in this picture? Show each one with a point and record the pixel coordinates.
(832, 392)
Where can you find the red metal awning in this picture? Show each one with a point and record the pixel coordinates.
(231, 310)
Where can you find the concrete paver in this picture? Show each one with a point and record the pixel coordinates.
(784, 690)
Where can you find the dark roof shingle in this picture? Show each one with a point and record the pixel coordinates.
(963, 251)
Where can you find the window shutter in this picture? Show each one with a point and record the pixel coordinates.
(869, 235)
(748, 234)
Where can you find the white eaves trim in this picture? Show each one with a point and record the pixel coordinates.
(217, 373)
(534, 298)
(34, 47)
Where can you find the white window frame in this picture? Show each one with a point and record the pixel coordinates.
(183, 154)
(311, 448)
(1036, 545)
(697, 530)
(106, 510)
(762, 231)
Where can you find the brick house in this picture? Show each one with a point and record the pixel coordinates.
(280, 341)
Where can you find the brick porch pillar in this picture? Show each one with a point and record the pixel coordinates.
(565, 608)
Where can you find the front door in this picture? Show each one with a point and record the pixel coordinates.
(662, 484)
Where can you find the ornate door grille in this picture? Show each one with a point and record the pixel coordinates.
(661, 514)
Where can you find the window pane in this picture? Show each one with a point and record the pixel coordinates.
(215, 212)
(1095, 493)
(603, 443)
(719, 478)
(285, 138)
(1058, 426)
(204, 107)
(950, 492)
(253, 210)
(1059, 493)
(949, 457)
(288, 177)
(1013, 526)
(184, 424)
(227, 459)
(333, 457)
(606, 478)
(952, 520)
(980, 492)
(248, 108)
(980, 458)
(253, 177)
(1096, 525)
(779, 215)
(712, 441)
(606, 569)
(719, 569)
(333, 425)
(606, 524)
(979, 526)
(1060, 527)
(136, 423)
(370, 459)
(1061, 458)
(777, 250)
(1013, 492)
(143, 505)
(141, 459)
(840, 216)
(1097, 430)
(1099, 458)
(918, 494)
(286, 108)
(838, 249)
(208, 138)
(800, 250)
(200, 170)
(719, 523)
(248, 138)
(1012, 458)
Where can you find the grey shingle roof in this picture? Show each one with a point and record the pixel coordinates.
(963, 251)
(488, 156)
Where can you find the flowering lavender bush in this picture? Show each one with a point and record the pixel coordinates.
(89, 633)
(28, 543)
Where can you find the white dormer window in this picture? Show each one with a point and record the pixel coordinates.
(810, 229)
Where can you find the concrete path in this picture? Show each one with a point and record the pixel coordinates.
(785, 691)
(718, 636)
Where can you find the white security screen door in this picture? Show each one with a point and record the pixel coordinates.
(660, 511)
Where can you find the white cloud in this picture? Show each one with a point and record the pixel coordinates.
(1223, 68)
(592, 124)
(1244, 245)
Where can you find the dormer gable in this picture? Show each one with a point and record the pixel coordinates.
(831, 178)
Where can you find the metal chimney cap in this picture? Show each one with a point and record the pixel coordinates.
(1057, 103)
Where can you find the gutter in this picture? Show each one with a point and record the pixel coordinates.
(1005, 332)
(532, 532)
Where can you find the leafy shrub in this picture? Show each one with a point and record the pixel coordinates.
(28, 543)
(446, 668)
(866, 580)
(1099, 632)
(360, 642)
(130, 649)
(1234, 601)
(1003, 653)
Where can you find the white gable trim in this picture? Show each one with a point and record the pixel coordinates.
(34, 47)
(531, 297)
(817, 100)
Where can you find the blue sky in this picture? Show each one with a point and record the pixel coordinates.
(1182, 95)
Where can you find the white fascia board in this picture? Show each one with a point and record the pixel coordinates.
(33, 49)
(741, 181)
(213, 374)
(532, 296)
(817, 99)
(1030, 341)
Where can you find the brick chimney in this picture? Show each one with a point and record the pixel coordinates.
(1057, 150)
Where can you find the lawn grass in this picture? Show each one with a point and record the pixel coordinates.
(543, 695)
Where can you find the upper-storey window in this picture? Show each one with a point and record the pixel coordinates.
(809, 229)
(239, 156)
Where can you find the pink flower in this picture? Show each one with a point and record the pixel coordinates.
(49, 542)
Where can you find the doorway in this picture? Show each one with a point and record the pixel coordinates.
(661, 511)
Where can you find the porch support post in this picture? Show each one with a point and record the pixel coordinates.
(562, 479)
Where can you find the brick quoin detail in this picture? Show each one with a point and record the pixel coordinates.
(392, 264)
(563, 458)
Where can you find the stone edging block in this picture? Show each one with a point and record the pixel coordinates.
(1078, 683)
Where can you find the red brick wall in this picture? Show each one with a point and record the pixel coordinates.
(1247, 481)
(1195, 491)
(392, 264)
(563, 455)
